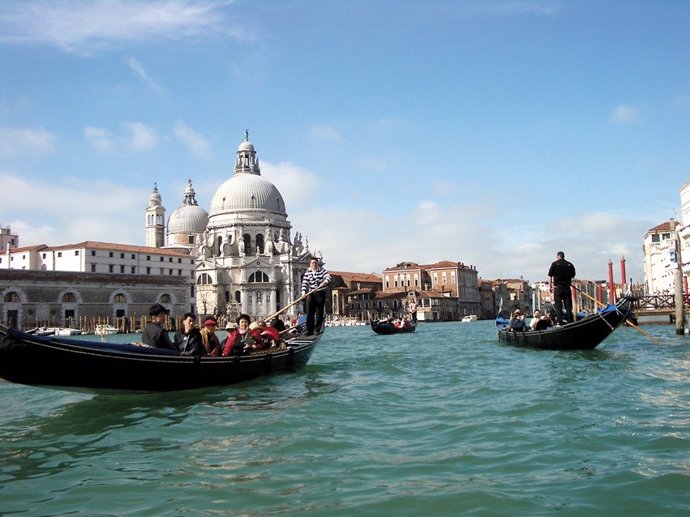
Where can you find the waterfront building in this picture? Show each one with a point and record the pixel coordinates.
(453, 281)
(8, 240)
(36, 298)
(352, 293)
(56, 285)
(659, 270)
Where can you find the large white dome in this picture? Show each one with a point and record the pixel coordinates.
(247, 192)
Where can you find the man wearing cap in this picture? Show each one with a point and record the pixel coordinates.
(154, 334)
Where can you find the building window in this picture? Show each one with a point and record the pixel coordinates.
(259, 276)
(133, 256)
(204, 279)
(44, 256)
(93, 253)
(179, 261)
(110, 268)
(162, 259)
(122, 269)
(122, 255)
(59, 254)
(12, 297)
(191, 239)
(76, 253)
(166, 298)
(69, 298)
(93, 268)
(148, 257)
(134, 270)
(148, 270)
(119, 298)
(179, 272)
(110, 254)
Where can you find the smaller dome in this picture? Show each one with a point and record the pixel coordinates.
(246, 146)
(188, 219)
(155, 198)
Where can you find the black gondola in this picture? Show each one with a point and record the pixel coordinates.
(387, 327)
(584, 334)
(77, 363)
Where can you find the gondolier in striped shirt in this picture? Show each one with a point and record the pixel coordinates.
(315, 277)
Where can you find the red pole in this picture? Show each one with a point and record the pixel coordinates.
(624, 279)
(600, 294)
(612, 286)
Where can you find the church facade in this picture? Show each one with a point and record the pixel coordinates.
(247, 260)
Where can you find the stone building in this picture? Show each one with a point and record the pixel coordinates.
(76, 299)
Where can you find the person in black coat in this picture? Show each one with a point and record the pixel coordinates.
(154, 334)
(561, 273)
(188, 338)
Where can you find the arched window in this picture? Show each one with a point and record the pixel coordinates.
(165, 298)
(204, 279)
(259, 276)
(12, 297)
(247, 243)
(260, 243)
(119, 298)
(69, 298)
(238, 297)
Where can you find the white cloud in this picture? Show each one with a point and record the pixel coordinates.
(141, 72)
(196, 143)
(296, 184)
(25, 141)
(624, 114)
(137, 136)
(141, 136)
(98, 210)
(84, 26)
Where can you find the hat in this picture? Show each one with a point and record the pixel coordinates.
(157, 309)
(230, 326)
(210, 321)
(242, 317)
(273, 333)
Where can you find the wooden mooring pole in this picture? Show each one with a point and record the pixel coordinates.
(678, 282)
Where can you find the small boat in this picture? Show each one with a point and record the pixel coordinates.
(106, 330)
(76, 363)
(584, 334)
(469, 318)
(388, 327)
(67, 331)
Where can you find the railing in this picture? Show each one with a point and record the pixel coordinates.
(652, 302)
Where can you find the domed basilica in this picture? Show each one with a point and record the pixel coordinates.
(246, 260)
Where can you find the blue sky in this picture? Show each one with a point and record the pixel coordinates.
(494, 133)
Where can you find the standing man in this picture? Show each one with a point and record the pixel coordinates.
(561, 273)
(314, 278)
(413, 310)
(154, 334)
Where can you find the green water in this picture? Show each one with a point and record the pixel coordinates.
(445, 421)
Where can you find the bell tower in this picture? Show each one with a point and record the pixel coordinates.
(155, 220)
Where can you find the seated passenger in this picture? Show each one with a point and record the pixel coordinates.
(517, 321)
(209, 338)
(234, 343)
(545, 322)
(536, 317)
(188, 338)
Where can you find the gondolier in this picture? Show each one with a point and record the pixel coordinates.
(561, 273)
(314, 278)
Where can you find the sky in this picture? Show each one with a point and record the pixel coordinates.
(492, 133)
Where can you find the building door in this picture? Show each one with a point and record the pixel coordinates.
(12, 318)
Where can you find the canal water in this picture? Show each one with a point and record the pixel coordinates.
(445, 421)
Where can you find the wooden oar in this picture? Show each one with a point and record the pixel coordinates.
(627, 322)
(270, 317)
